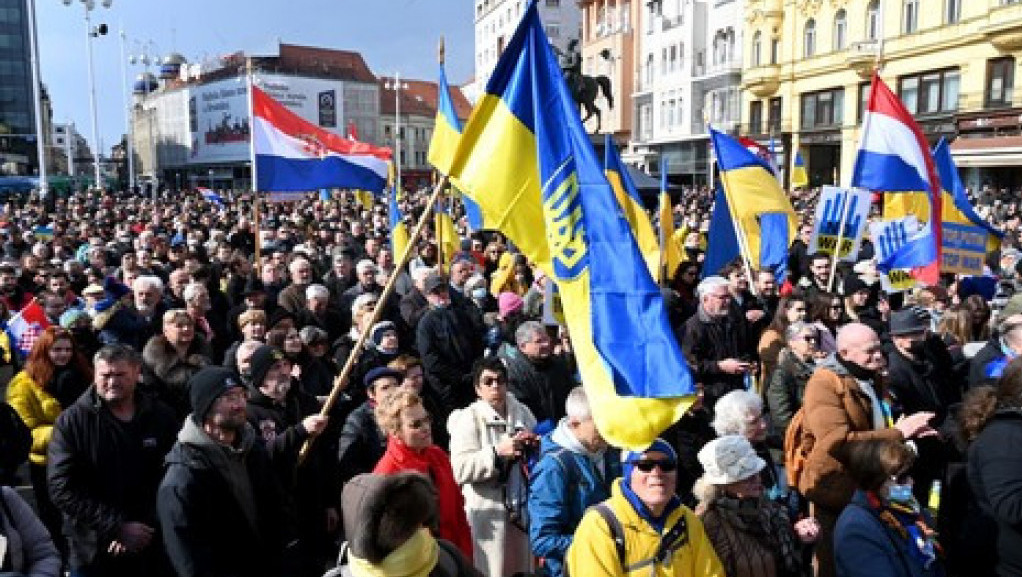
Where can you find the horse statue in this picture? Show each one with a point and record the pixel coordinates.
(584, 89)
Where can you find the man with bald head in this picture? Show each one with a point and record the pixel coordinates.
(1004, 345)
(843, 404)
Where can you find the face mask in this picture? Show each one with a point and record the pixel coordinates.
(479, 294)
(442, 305)
(897, 493)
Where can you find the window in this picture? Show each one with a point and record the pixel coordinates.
(649, 70)
(860, 112)
(1000, 82)
(663, 114)
(930, 92)
(823, 109)
(553, 30)
(756, 117)
(954, 11)
(674, 58)
(757, 41)
(840, 29)
(910, 23)
(670, 112)
(873, 20)
(553, 3)
(774, 116)
(775, 50)
(663, 62)
(809, 39)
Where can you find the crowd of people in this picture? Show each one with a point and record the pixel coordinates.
(171, 368)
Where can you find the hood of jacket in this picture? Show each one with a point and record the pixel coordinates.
(562, 436)
(831, 363)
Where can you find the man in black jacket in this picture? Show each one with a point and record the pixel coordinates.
(105, 463)
(538, 379)
(716, 344)
(449, 343)
(221, 509)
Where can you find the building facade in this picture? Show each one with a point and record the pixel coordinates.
(952, 62)
(608, 50)
(17, 114)
(495, 22)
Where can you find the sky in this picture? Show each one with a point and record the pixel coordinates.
(392, 35)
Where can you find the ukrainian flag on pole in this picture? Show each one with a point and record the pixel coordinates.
(446, 133)
(631, 204)
(525, 158)
(398, 229)
(799, 175)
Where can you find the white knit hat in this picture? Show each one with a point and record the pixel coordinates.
(729, 459)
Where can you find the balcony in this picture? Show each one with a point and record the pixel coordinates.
(762, 80)
(1004, 27)
(861, 57)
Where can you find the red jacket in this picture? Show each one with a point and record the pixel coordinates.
(435, 464)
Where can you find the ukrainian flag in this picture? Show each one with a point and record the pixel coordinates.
(762, 214)
(631, 204)
(446, 133)
(447, 235)
(525, 158)
(799, 175)
(398, 229)
(673, 255)
(364, 198)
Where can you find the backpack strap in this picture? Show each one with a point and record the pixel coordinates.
(564, 459)
(617, 532)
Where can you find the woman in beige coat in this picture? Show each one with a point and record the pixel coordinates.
(487, 438)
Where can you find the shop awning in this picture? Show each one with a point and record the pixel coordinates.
(994, 151)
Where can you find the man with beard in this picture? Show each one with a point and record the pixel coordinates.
(285, 418)
(148, 298)
(538, 379)
(221, 508)
(11, 293)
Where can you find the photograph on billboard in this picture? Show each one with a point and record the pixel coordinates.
(218, 112)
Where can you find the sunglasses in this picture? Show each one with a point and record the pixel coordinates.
(647, 465)
(422, 423)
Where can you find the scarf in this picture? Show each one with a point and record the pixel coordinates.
(416, 557)
(767, 523)
(907, 521)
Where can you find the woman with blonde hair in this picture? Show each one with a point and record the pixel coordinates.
(410, 447)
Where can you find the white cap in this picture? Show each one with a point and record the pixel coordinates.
(729, 459)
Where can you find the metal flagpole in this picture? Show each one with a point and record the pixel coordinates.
(252, 155)
(662, 264)
(44, 184)
(743, 242)
(341, 382)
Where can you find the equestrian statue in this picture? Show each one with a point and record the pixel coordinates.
(584, 89)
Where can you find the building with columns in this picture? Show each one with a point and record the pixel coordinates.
(953, 65)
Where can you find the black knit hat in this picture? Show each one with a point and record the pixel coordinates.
(262, 361)
(206, 386)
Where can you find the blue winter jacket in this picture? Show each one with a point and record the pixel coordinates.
(559, 497)
(865, 547)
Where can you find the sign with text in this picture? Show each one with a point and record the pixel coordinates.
(830, 210)
(888, 236)
(964, 249)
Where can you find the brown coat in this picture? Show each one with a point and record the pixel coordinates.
(771, 343)
(837, 412)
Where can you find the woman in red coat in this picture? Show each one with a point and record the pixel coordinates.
(410, 448)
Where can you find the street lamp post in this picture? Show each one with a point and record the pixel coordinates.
(37, 98)
(397, 86)
(129, 126)
(90, 32)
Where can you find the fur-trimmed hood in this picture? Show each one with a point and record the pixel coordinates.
(381, 512)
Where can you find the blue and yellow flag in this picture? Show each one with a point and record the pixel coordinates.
(446, 132)
(447, 234)
(364, 198)
(525, 158)
(631, 204)
(762, 214)
(673, 255)
(799, 175)
(398, 229)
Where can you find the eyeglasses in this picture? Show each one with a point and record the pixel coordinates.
(647, 465)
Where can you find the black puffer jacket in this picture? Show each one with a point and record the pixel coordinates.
(542, 386)
(708, 340)
(362, 443)
(104, 472)
(221, 509)
(995, 475)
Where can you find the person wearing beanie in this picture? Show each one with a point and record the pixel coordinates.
(112, 439)
(753, 535)
(220, 505)
(285, 417)
(363, 443)
(647, 516)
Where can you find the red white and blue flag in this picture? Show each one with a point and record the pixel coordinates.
(762, 152)
(292, 154)
(27, 325)
(894, 156)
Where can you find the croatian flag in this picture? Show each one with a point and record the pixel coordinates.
(292, 154)
(26, 326)
(760, 151)
(895, 157)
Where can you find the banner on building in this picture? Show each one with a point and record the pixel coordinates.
(831, 209)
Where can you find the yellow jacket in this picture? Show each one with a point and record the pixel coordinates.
(593, 554)
(38, 409)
